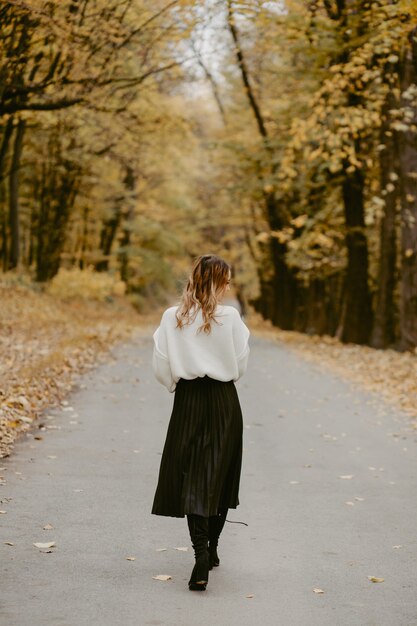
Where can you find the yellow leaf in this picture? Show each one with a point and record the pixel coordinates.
(299, 221)
(48, 544)
(375, 579)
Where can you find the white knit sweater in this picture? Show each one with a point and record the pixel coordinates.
(184, 353)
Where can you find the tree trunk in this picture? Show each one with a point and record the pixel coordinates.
(5, 142)
(84, 238)
(278, 292)
(57, 199)
(14, 196)
(107, 237)
(408, 188)
(356, 321)
(130, 182)
(383, 333)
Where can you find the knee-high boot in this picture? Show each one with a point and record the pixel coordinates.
(216, 524)
(198, 527)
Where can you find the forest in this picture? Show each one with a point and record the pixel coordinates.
(281, 135)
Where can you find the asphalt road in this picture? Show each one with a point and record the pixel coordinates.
(328, 491)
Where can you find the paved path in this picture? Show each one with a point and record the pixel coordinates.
(93, 478)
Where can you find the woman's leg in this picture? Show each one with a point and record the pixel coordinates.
(199, 527)
(216, 524)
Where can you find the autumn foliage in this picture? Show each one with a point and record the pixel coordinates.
(282, 135)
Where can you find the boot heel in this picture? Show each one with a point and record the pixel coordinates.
(199, 575)
(202, 570)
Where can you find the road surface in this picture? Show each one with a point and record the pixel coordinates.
(328, 493)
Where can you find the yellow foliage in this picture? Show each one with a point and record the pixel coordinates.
(86, 284)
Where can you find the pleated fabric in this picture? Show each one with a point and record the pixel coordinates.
(202, 456)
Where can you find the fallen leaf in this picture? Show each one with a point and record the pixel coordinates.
(3, 512)
(182, 549)
(51, 456)
(397, 547)
(130, 558)
(350, 503)
(162, 577)
(161, 549)
(375, 579)
(347, 476)
(48, 527)
(250, 595)
(359, 499)
(49, 544)
(9, 543)
(27, 420)
(317, 590)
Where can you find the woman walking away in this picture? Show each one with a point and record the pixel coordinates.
(200, 349)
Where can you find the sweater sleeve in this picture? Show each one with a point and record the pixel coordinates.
(241, 343)
(160, 361)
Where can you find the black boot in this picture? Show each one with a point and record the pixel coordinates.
(198, 527)
(216, 524)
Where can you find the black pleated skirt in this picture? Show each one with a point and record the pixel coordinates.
(202, 456)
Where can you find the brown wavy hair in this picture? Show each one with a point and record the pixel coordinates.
(206, 284)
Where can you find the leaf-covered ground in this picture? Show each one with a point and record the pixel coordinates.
(390, 374)
(45, 342)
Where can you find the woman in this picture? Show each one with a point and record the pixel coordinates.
(200, 349)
